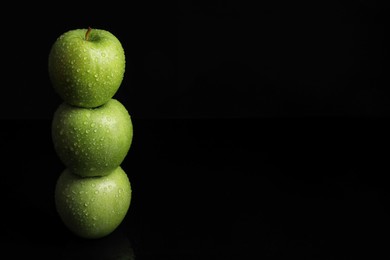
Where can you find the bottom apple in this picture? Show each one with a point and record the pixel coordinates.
(93, 207)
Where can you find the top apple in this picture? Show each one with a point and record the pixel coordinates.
(86, 66)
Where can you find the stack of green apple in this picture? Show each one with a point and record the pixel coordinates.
(91, 131)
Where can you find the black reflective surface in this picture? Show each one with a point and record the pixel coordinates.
(314, 188)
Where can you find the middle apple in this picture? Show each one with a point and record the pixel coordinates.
(92, 141)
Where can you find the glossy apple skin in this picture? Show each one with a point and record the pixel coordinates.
(92, 141)
(93, 207)
(86, 73)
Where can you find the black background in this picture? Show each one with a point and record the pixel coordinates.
(257, 129)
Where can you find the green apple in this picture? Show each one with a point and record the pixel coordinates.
(93, 207)
(86, 66)
(92, 141)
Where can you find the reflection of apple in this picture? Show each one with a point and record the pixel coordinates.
(92, 141)
(115, 246)
(86, 66)
(93, 207)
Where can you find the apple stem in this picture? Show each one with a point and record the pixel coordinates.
(88, 33)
